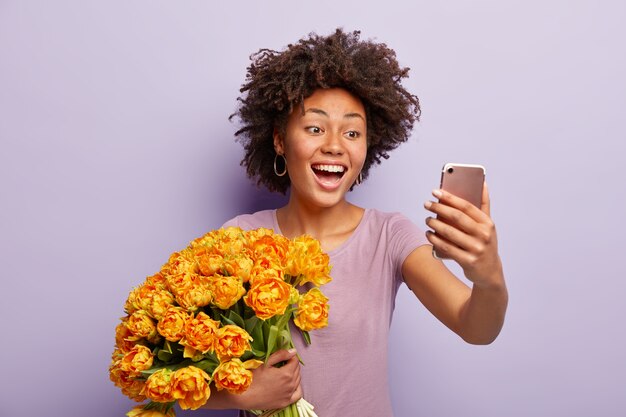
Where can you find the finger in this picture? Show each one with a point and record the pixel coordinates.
(297, 394)
(280, 356)
(449, 233)
(292, 364)
(452, 216)
(447, 249)
(459, 203)
(485, 205)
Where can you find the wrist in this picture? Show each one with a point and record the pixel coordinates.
(491, 282)
(491, 277)
(224, 400)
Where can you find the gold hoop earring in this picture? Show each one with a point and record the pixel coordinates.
(280, 174)
(359, 179)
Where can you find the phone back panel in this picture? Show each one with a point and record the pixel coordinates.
(465, 181)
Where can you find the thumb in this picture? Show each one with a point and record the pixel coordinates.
(280, 356)
(485, 205)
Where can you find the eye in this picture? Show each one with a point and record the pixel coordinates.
(315, 130)
(353, 134)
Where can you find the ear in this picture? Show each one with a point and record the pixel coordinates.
(279, 143)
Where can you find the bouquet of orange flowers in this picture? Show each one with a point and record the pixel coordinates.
(215, 311)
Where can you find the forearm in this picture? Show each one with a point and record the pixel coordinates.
(483, 314)
(223, 400)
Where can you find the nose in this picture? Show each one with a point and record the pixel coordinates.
(332, 144)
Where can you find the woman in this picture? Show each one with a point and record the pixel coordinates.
(315, 118)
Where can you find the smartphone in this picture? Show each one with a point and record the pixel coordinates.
(465, 181)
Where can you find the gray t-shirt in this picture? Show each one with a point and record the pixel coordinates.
(345, 367)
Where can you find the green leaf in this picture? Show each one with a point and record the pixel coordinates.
(212, 357)
(162, 407)
(265, 326)
(306, 336)
(258, 353)
(207, 365)
(164, 355)
(258, 341)
(215, 313)
(285, 339)
(237, 308)
(271, 341)
(171, 367)
(250, 324)
(236, 318)
(247, 311)
(283, 320)
(226, 320)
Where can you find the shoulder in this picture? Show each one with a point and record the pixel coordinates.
(396, 231)
(263, 218)
(392, 221)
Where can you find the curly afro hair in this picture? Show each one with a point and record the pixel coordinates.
(278, 81)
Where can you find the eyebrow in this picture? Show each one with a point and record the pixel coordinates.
(323, 113)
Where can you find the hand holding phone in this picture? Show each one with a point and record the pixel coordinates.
(464, 181)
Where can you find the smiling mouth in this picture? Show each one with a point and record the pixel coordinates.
(329, 173)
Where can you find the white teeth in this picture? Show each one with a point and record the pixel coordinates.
(329, 168)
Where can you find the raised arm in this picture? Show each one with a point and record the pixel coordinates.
(467, 236)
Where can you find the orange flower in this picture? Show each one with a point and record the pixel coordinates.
(180, 282)
(231, 241)
(235, 376)
(140, 411)
(190, 387)
(132, 388)
(172, 324)
(273, 247)
(256, 234)
(209, 262)
(158, 387)
(226, 290)
(141, 325)
(115, 371)
(122, 335)
(125, 380)
(161, 300)
(207, 240)
(197, 294)
(182, 262)
(232, 342)
(140, 298)
(239, 266)
(305, 257)
(264, 269)
(268, 297)
(158, 281)
(312, 310)
(138, 359)
(200, 335)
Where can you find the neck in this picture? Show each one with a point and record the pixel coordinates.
(330, 225)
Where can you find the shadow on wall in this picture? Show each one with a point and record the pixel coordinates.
(246, 197)
(255, 199)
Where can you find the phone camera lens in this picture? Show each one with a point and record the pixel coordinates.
(450, 170)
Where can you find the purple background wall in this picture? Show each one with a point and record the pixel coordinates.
(116, 150)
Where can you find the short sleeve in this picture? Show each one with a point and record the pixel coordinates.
(234, 222)
(405, 237)
(263, 218)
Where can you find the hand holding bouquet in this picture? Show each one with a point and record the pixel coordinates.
(217, 310)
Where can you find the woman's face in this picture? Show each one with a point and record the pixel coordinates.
(325, 146)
